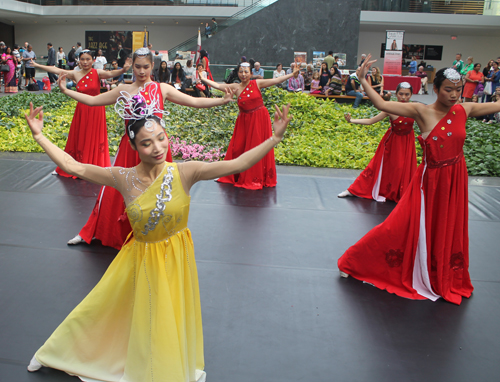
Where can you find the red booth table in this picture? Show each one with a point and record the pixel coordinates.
(391, 82)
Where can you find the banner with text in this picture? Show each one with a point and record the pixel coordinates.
(393, 54)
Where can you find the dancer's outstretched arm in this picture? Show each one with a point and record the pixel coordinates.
(410, 110)
(275, 81)
(94, 174)
(103, 99)
(193, 172)
(55, 70)
(369, 121)
(105, 74)
(480, 109)
(216, 85)
(173, 95)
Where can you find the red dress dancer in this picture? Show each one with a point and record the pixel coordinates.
(88, 135)
(253, 126)
(422, 249)
(108, 221)
(389, 173)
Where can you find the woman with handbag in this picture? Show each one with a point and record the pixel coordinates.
(472, 79)
(8, 69)
(198, 86)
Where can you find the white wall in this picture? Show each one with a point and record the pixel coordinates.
(482, 48)
(162, 37)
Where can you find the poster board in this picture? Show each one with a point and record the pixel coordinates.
(342, 59)
(108, 42)
(163, 54)
(413, 50)
(318, 58)
(300, 57)
(394, 52)
(140, 39)
(394, 40)
(433, 52)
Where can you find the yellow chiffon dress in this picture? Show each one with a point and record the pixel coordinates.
(142, 321)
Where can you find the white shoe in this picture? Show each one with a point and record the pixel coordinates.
(344, 194)
(76, 240)
(343, 274)
(34, 365)
(54, 172)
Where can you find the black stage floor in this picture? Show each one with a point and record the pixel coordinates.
(274, 307)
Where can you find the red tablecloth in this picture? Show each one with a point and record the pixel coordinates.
(391, 82)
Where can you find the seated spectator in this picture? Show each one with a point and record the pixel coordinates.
(162, 74)
(190, 72)
(198, 86)
(292, 68)
(100, 61)
(279, 72)
(257, 72)
(334, 85)
(308, 76)
(324, 76)
(352, 87)
(296, 83)
(377, 82)
(178, 78)
(315, 84)
(423, 78)
(115, 81)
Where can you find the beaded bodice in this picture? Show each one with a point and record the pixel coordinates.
(89, 84)
(402, 125)
(250, 98)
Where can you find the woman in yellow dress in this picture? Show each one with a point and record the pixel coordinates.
(142, 321)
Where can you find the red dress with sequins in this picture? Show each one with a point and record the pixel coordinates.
(253, 126)
(88, 136)
(422, 249)
(108, 221)
(389, 173)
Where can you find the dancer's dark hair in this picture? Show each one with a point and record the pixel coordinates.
(135, 126)
(440, 77)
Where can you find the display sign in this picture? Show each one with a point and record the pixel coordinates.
(433, 52)
(108, 42)
(300, 57)
(413, 50)
(318, 58)
(140, 39)
(394, 52)
(394, 40)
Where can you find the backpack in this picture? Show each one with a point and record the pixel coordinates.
(33, 86)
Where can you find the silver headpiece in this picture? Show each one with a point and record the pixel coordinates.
(405, 85)
(245, 65)
(452, 75)
(135, 107)
(142, 52)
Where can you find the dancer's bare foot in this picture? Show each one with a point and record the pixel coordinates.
(34, 365)
(343, 274)
(344, 194)
(76, 240)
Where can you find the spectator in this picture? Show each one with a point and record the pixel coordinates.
(296, 83)
(51, 61)
(314, 88)
(206, 63)
(178, 77)
(494, 78)
(423, 78)
(150, 47)
(334, 85)
(458, 64)
(21, 74)
(29, 55)
(292, 68)
(215, 26)
(488, 68)
(324, 76)
(9, 59)
(162, 74)
(190, 72)
(72, 58)
(208, 30)
(198, 86)
(100, 61)
(252, 63)
(308, 76)
(157, 59)
(78, 50)
(467, 68)
(115, 81)
(121, 55)
(352, 88)
(363, 58)
(2, 46)
(472, 79)
(329, 60)
(60, 58)
(412, 69)
(279, 72)
(257, 72)
(17, 55)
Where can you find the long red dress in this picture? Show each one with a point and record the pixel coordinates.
(471, 86)
(108, 221)
(88, 135)
(422, 249)
(253, 126)
(389, 173)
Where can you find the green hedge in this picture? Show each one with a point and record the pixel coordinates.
(318, 136)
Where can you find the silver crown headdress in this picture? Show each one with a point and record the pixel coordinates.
(142, 51)
(405, 85)
(135, 107)
(452, 75)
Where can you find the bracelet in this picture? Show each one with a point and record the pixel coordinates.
(274, 140)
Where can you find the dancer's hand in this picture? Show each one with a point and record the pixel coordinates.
(62, 82)
(35, 120)
(365, 67)
(32, 62)
(281, 120)
(228, 97)
(347, 117)
(127, 64)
